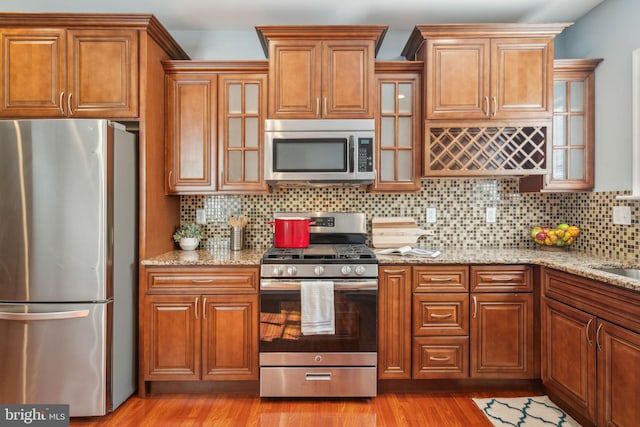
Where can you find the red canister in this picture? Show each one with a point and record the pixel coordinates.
(291, 232)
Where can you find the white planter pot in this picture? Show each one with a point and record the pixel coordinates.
(189, 243)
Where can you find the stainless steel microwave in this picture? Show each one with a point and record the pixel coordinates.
(331, 151)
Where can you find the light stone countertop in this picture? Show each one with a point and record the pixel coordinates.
(569, 261)
(206, 257)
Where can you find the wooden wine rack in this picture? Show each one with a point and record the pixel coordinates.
(498, 149)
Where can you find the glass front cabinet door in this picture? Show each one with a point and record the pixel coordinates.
(398, 127)
(243, 106)
(571, 152)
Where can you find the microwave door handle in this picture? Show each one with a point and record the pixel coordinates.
(352, 153)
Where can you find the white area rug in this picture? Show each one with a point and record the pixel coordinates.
(524, 412)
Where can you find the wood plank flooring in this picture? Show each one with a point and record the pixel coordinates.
(231, 410)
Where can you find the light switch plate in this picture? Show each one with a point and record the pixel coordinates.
(431, 215)
(622, 215)
(201, 216)
(491, 215)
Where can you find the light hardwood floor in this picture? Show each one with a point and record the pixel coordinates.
(231, 410)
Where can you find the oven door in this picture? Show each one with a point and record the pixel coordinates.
(355, 307)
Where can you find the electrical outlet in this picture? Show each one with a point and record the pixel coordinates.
(431, 215)
(622, 215)
(491, 215)
(201, 216)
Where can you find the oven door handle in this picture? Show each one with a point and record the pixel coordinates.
(280, 285)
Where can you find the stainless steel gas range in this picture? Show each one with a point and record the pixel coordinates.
(318, 312)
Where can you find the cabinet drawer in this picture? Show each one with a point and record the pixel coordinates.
(508, 278)
(448, 278)
(441, 357)
(446, 314)
(222, 280)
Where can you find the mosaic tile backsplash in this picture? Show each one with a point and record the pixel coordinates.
(461, 211)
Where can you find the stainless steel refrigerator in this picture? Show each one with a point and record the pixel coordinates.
(68, 264)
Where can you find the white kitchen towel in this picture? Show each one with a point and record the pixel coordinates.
(316, 308)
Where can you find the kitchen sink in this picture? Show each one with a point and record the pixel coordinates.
(633, 273)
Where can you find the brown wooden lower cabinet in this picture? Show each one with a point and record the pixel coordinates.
(209, 337)
(432, 327)
(394, 322)
(172, 339)
(502, 322)
(502, 341)
(590, 363)
(569, 359)
(199, 323)
(229, 337)
(618, 367)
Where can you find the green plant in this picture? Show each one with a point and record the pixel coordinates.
(188, 229)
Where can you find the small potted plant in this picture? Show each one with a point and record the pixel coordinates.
(188, 235)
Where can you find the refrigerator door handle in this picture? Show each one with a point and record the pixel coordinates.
(54, 315)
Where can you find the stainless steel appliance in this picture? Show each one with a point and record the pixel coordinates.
(308, 152)
(342, 362)
(68, 264)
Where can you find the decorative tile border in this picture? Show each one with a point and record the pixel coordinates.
(460, 205)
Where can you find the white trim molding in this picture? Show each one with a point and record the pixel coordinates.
(635, 150)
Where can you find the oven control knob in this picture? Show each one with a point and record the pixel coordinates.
(291, 271)
(277, 271)
(319, 270)
(345, 270)
(360, 270)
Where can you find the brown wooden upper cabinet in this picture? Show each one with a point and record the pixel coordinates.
(322, 71)
(398, 126)
(63, 72)
(571, 154)
(215, 116)
(486, 71)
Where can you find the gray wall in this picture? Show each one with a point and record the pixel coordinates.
(610, 31)
(244, 45)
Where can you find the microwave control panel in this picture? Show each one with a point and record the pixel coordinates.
(365, 154)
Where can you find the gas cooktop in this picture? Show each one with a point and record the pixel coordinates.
(321, 254)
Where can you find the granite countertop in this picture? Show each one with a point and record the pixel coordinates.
(570, 261)
(207, 257)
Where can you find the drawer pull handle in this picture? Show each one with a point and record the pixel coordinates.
(441, 279)
(201, 280)
(441, 316)
(501, 278)
(196, 304)
(439, 359)
(598, 337)
(586, 331)
(319, 376)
